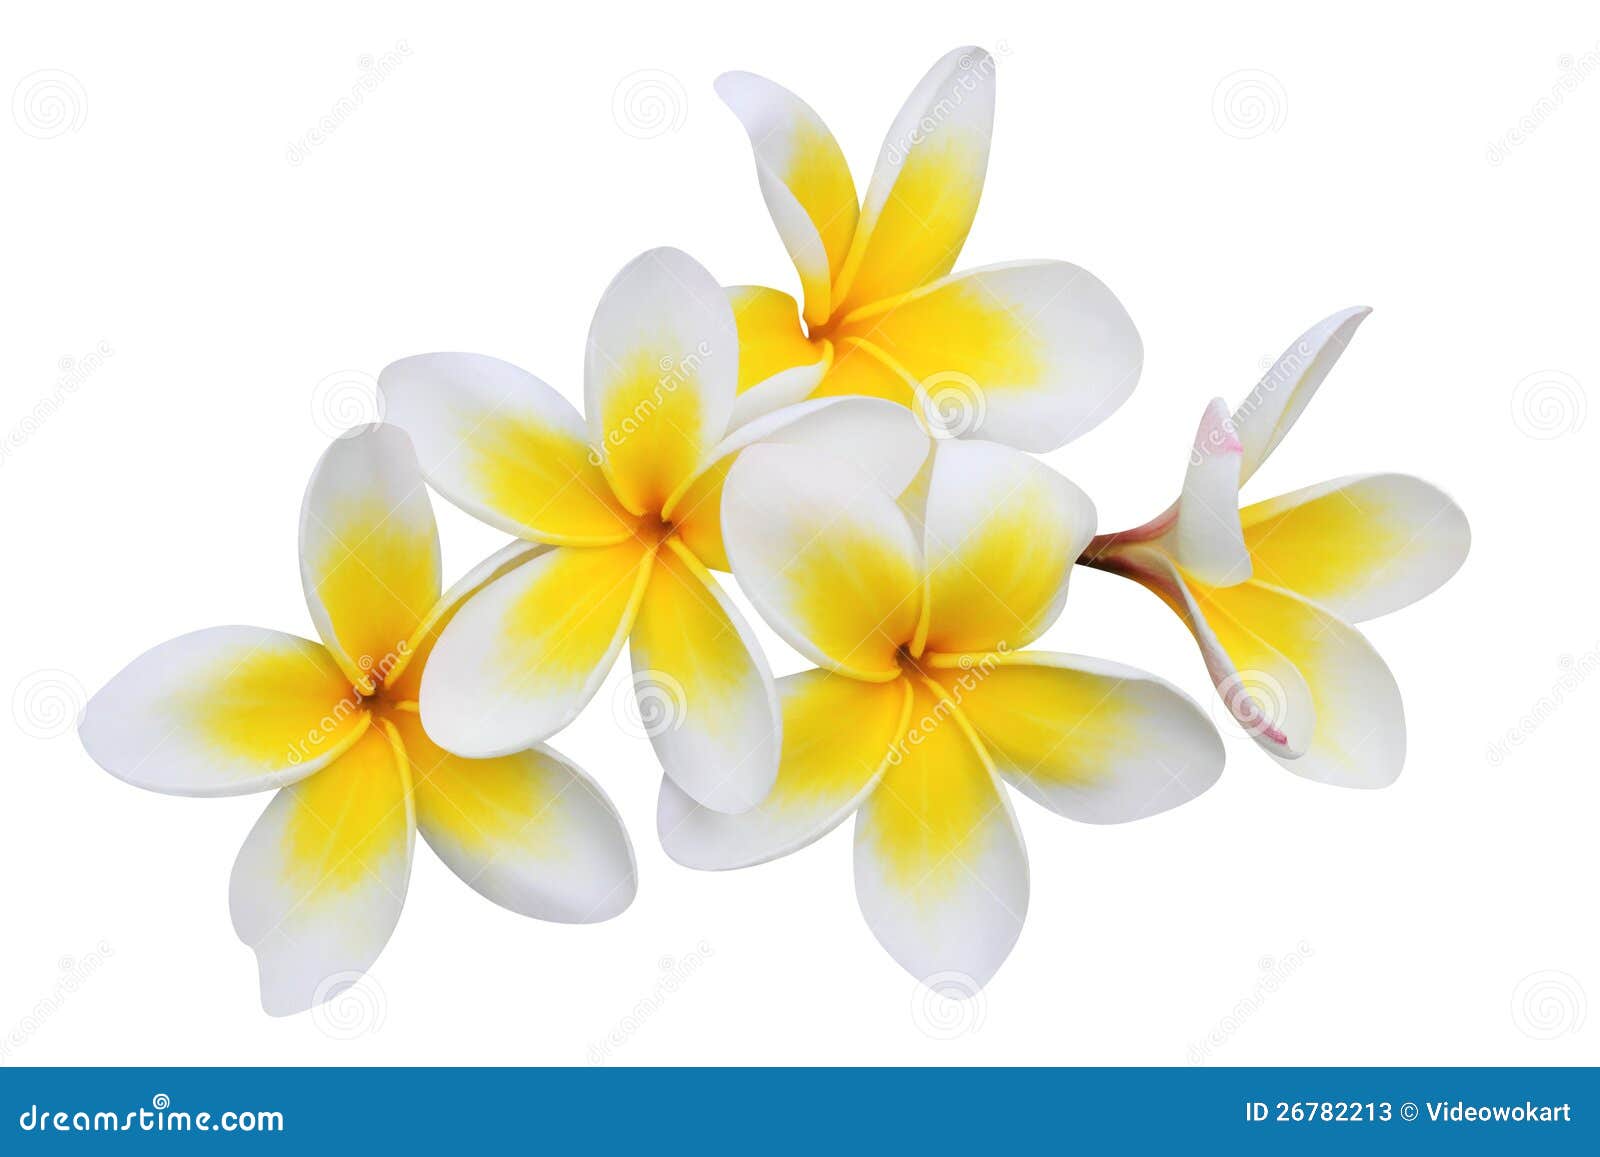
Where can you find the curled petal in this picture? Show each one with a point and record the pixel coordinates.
(1209, 541)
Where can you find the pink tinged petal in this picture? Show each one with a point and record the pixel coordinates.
(804, 180)
(319, 884)
(223, 711)
(1208, 538)
(706, 696)
(660, 375)
(369, 551)
(1266, 415)
(524, 654)
(941, 872)
(1360, 546)
(504, 447)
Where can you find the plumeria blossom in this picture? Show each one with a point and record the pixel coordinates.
(628, 506)
(923, 700)
(1030, 353)
(1270, 591)
(318, 886)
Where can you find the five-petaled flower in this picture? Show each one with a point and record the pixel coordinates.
(1269, 591)
(1030, 353)
(923, 696)
(628, 507)
(318, 886)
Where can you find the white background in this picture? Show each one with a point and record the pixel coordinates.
(480, 199)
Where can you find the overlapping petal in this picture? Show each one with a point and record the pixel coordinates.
(706, 696)
(941, 873)
(1360, 546)
(778, 364)
(826, 557)
(1091, 739)
(837, 739)
(924, 192)
(660, 375)
(319, 884)
(1000, 534)
(1208, 535)
(530, 831)
(520, 659)
(804, 180)
(868, 434)
(223, 711)
(505, 447)
(1030, 353)
(369, 551)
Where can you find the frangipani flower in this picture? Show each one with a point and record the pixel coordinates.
(1269, 591)
(923, 700)
(318, 886)
(1030, 353)
(629, 505)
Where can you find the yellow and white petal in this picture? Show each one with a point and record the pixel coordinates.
(530, 831)
(1031, 353)
(941, 873)
(1306, 685)
(804, 180)
(1360, 546)
(826, 556)
(705, 693)
(872, 435)
(778, 364)
(223, 711)
(369, 551)
(1264, 417)
(406, 682)
(524, 654)
(837, 736)
(660, 375)
(1208, 537)
(318, 886)
(1001, 531)
(862, 370)
(1091, 739)
(505, 447)
(924, 192)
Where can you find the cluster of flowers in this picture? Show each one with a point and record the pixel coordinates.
(738, 430)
